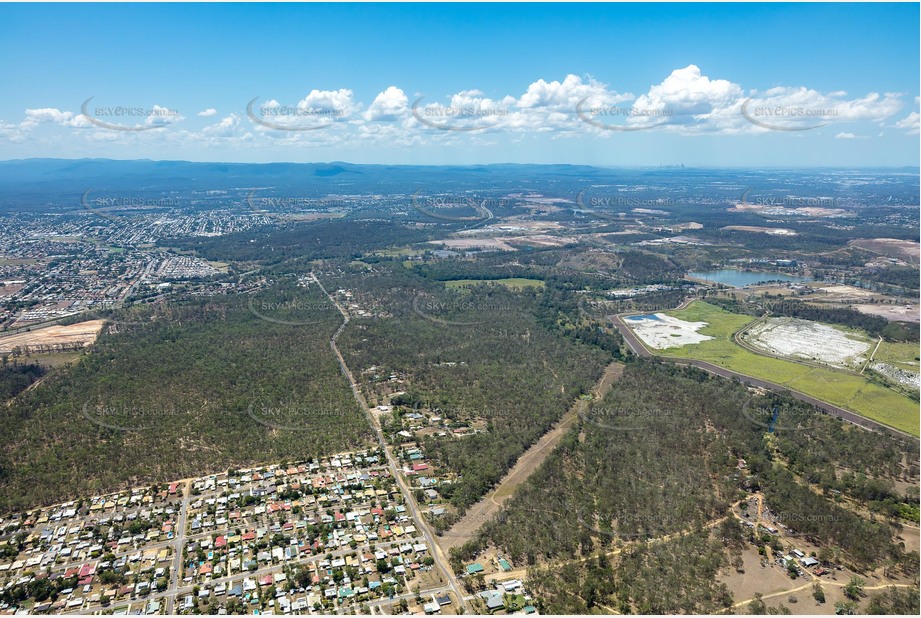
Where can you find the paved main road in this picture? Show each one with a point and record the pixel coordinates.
(440, 560)
(179, 534)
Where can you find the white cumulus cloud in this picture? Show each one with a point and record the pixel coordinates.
(391, 104)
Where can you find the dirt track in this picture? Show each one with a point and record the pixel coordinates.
(484, 510)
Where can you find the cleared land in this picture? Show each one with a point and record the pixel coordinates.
(516, 283)
(486, 244)
(776, 231)
(847, 390)
(899, 313)
(807, 340)
(892, 247)
(661, 331)
(53, 337)
(484, 510)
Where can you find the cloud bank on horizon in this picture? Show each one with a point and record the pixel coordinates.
(687, 103)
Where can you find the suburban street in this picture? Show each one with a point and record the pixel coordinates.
(440, 559)
(177, 546)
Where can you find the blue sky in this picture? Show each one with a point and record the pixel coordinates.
(616, 84)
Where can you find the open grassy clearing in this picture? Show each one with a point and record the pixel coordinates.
(515, 283)
(400, 252)
(902, 355)
(839, 388)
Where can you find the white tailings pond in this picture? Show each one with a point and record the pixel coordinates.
(795, 338)
(660, 331)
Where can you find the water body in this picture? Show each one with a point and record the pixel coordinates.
(741, 278)
(640, 318)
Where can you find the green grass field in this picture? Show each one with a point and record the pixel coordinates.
(514, 283)
(902, 355)
(840, 388)
(399, 252)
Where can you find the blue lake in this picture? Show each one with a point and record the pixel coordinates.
(740, 278)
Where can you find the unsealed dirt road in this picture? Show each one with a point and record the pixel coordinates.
(484, 510)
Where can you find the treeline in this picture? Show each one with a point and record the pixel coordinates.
(874, 325)
(660, 457)
(900, 276)
(477, 353)
(313, 240)
(643, 464)
(559, 310)
(861, 464)
(895, 601)
(627, 267)
(757, 242)
(677, 577)
(865, 543)
(16, 377)
(196, 386)
(647, 268)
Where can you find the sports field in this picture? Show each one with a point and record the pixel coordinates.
(845, 389)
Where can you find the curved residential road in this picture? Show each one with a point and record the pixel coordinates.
(640, 349)
(437, 553)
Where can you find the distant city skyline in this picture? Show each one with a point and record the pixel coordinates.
(723, 85)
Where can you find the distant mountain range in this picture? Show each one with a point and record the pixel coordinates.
(53, 184)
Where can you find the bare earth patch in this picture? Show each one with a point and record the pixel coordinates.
(899, 313)
(474, 243)
(775, 231)
(755, 579)
(890, 246)
(81, 334)
(910, 379)
(795, 338)
(845, 292)
(662, 331)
